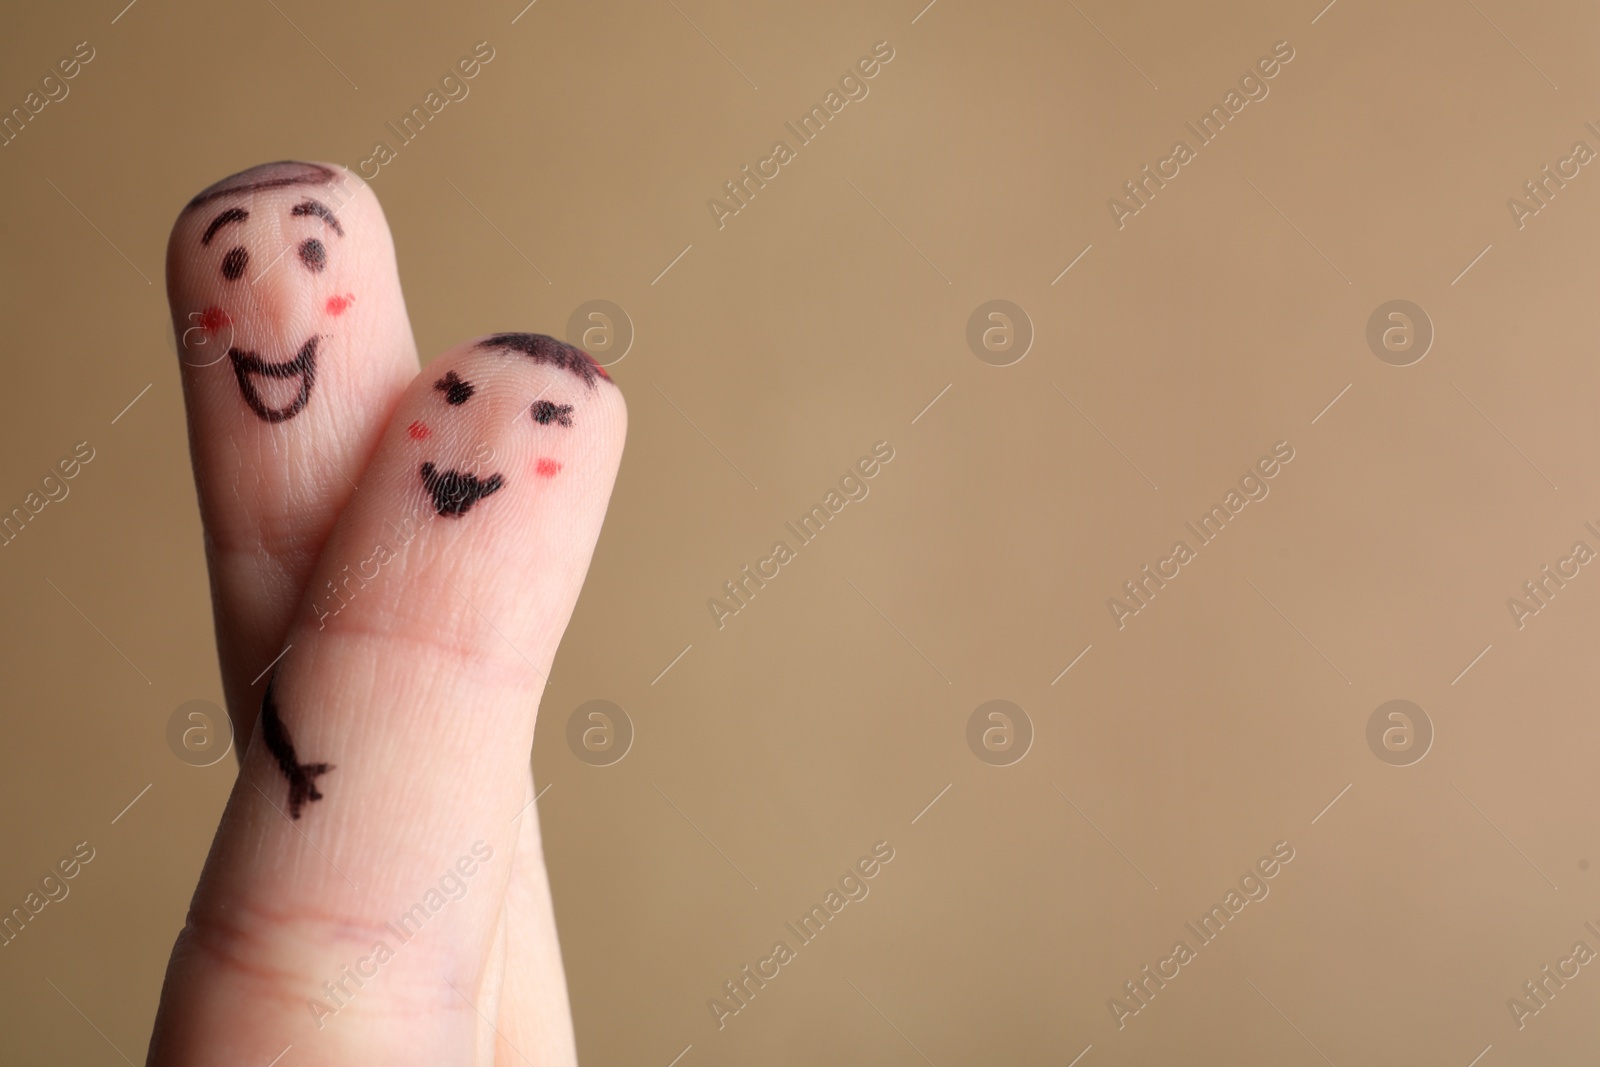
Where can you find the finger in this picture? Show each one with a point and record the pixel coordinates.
(534, 1011)
(295, 348)
(393, 747)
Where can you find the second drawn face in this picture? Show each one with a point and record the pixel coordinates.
(454, 492)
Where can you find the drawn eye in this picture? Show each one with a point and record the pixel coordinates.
(234, 263)
(454, 389)
(544, 413)
(313, 254)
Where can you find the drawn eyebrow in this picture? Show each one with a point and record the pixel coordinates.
(321, 211)
(233, 214)
(456, 389)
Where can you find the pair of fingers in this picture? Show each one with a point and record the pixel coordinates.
(416, 542)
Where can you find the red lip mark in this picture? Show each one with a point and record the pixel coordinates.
(214, 318)
(418, 431)
(338, 304)
(547, 468)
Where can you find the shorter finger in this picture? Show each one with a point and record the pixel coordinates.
(397, 734)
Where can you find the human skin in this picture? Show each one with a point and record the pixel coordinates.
(384, 791)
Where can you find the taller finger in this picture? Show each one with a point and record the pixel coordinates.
(295, 347)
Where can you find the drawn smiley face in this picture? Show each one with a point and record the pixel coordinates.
(453, 491)
(310, 254)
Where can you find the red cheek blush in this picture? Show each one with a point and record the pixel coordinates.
(547, 468)
(214, 318)
(418, 430)
(338, 304)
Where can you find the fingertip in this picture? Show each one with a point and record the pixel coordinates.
(510, 410)
(206, 220)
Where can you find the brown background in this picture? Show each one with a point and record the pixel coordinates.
(1222, 319)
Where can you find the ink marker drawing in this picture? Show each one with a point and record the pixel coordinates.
(314, 254)
(454, 493)
(547, 350)
(321, 211)
(544, 413)
(302, 366)
(234, 263)
(248, 366)
(455, 390)
(267, 176)
(232, 214)
(302, 776)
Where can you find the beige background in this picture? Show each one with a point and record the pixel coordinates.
(821, 319)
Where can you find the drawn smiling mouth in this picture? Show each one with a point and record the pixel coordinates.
(247, 366)
(453, 492)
